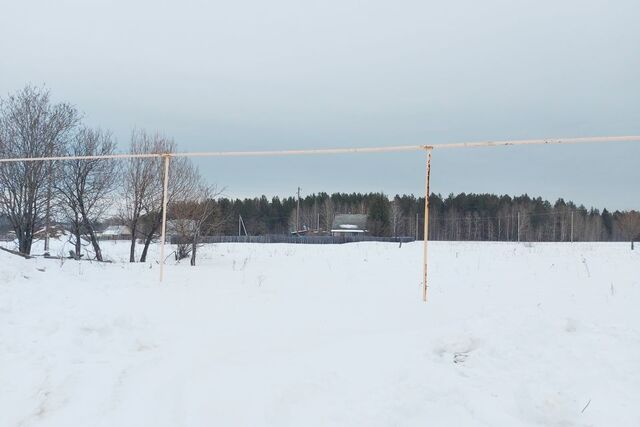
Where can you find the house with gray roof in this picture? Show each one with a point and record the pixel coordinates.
(115, 232)
(349, 225)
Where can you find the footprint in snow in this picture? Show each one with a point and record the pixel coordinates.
(459, 350)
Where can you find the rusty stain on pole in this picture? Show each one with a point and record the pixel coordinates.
(166, 157)
(426, 226)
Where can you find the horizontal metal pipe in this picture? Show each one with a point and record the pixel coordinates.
(320, 151)
(102, 156)
(316, 151)
(590, 139)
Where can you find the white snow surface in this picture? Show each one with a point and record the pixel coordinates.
(325, 335)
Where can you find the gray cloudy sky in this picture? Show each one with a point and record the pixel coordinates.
(253, 74)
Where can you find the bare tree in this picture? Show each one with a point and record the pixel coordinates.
(70, 211)
(396, 213)
(85, 186)
(328, 213)
(143, 187)
(192, 217)
(629, 225)
(30, 126)
(183, 177)
(138, 186)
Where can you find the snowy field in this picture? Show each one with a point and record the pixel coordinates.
(296, 335)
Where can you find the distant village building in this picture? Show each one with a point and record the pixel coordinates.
(180, 228)
(349, 225)
(55, 231)
(115, 232)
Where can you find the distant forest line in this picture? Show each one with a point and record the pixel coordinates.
(455, 217)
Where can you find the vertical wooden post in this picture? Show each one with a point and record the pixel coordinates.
(165, 191)
(518, 226)
(426, 225)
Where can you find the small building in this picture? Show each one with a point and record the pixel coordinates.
(115, 232)
(55, 231)
(349, 225)
(180, 228)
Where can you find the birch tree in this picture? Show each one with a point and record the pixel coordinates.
(138, 179)
(192, 217)
(182, 180)
(143, 187)
(30, 126)
(85, 187)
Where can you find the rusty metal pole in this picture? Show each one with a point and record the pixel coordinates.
(166, 157)
(426, 225)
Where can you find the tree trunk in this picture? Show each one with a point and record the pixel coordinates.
(149, 238)
(20, 235)
(78, 245)
(22, 243)
(147, 242)
(90, 232)
(94, 243)
(25, 239)
(194, 246)
(25, 245)
(132, 251)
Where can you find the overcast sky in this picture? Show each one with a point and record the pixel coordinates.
(253, 74)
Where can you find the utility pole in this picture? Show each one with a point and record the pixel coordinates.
(241, 226)
(298, 213)
(518, 226)
(318, 223)
(571, 226)
(417, 226)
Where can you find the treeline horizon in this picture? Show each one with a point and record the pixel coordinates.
(454, 217)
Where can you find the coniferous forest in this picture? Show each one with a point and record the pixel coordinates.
(455, 217)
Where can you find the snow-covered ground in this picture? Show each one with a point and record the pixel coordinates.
(513, 334)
